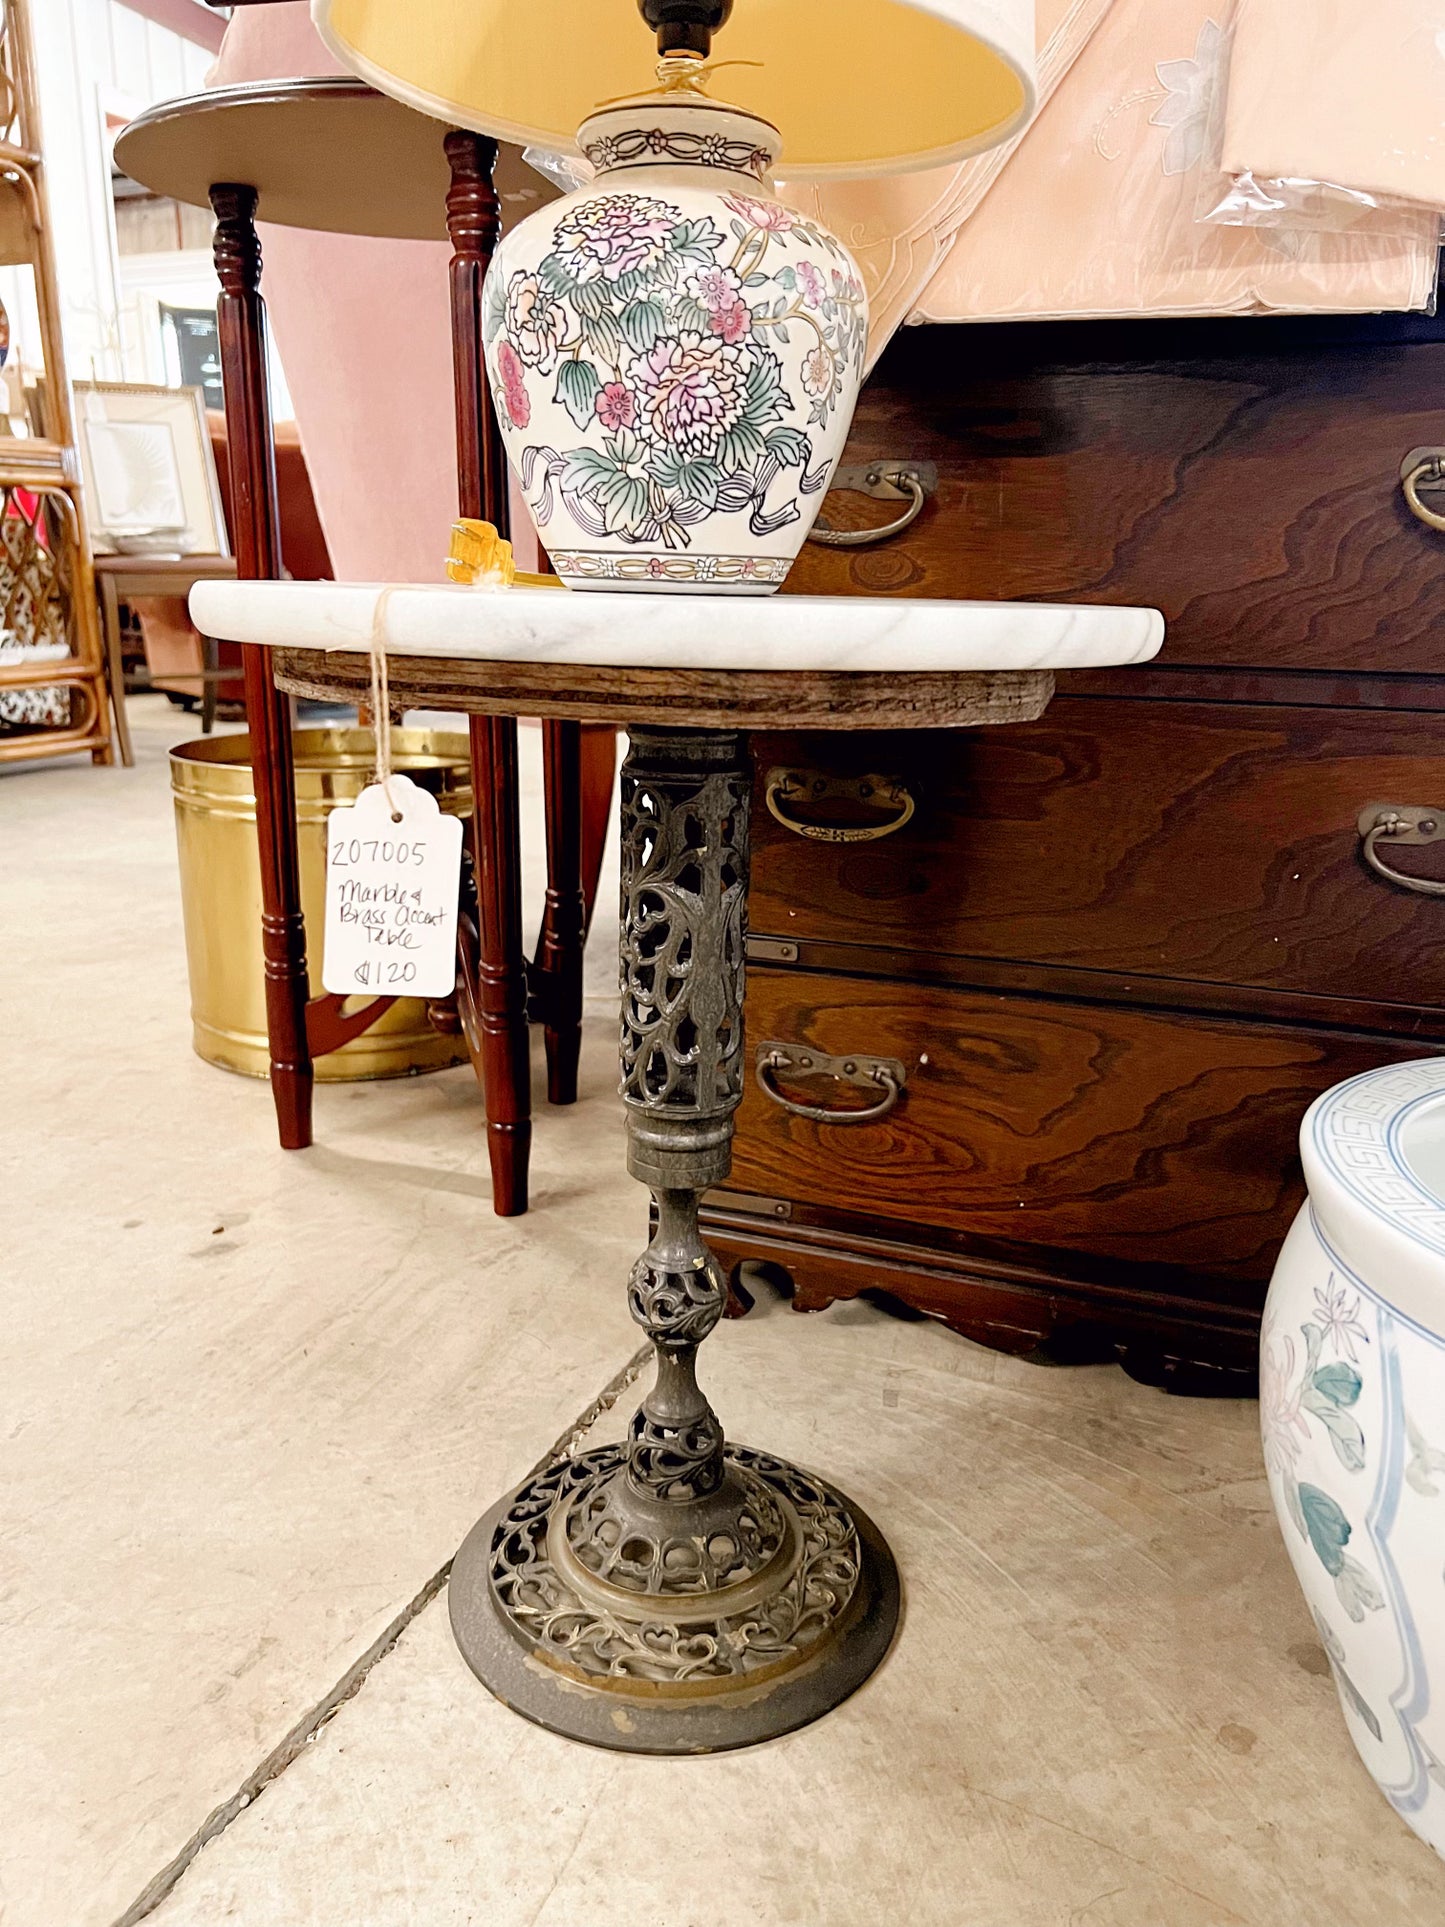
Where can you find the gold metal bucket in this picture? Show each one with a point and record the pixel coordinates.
(221, 891)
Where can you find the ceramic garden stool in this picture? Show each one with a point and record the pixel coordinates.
(1352, 1404)
(676, 1593)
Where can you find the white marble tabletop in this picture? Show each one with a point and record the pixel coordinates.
(678, 631)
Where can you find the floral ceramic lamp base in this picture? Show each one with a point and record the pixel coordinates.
(674, 356)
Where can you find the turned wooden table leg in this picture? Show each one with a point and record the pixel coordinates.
(474, 224)
(256, 536)
(599, 779)
(559, 951)
(501, 978)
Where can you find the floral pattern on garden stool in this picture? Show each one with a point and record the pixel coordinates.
(1352, 1409)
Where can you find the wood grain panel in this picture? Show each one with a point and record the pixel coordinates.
(1242, 477)
(1165, 840)
(1159, 1142)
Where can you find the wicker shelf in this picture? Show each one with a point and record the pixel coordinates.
(50, 704)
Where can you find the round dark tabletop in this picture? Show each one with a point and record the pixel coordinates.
(331, 154)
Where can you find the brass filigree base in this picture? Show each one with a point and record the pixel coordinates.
(676, 1594)
(783, 1622)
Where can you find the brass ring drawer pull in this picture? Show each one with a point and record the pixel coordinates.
(1424, 468)
(1410, 824)
(782, 787)
(886, 482)
(885, 1074)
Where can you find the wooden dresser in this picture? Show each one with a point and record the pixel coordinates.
(1116, 952)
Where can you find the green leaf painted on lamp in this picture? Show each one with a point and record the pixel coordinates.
(589, 298)
(604, 335)
(789, 447)
(577, 387)
(494, 307)
(642, 323)
(697, 480)
(1327, 1526)
(696, 241)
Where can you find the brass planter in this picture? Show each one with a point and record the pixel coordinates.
(221, 891)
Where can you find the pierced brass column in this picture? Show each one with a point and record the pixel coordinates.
(677, 1594)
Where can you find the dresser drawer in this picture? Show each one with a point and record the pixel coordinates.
(1215, 843)
(1155, 1141)
(1242, 477)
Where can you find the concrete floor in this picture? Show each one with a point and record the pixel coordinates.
(253, 1401)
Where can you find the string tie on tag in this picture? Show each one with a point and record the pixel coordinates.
(381, 700)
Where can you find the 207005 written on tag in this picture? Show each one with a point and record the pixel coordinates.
(392, 880)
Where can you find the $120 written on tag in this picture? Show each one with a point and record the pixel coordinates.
(391, 895)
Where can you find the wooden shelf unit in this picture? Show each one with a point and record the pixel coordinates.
(47, 586)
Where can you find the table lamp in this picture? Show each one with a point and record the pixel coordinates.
(674, 354)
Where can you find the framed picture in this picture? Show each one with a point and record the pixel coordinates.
(150, 477)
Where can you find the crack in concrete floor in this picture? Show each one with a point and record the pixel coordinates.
(290, 1748)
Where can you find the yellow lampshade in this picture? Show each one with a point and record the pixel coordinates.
(855, 86)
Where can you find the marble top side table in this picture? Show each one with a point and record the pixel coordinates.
(678, 1593)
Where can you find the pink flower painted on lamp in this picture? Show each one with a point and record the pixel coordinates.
(614, 235)
(771, 216)
(691, 390)
(715, 287)
(536, 321)
(719, 291)
(616, 405)
(817, 372)
(811, 282)
(731, 323)
(512, 377)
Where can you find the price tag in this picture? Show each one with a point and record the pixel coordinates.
(391, 895)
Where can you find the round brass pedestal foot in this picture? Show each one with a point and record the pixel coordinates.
(676, 1594)
(784, 1611)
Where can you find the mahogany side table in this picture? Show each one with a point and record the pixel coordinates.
(333, 154)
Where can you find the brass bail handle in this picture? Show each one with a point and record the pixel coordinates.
(1423, 472)
(885, 1074)
(912, 482)
(1405, 825)
(784, 789)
